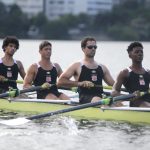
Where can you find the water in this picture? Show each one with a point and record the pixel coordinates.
(66, 133)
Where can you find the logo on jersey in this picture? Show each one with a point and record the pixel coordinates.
(94, 75)
(48, 77)
(9, 73)
(141, 80)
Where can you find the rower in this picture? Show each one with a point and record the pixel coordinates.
(87, 73)
(135, 78)
(9, 67)
(45, 71)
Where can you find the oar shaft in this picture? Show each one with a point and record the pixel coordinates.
(87, 105)
(123, 97)
(74, 89)
(83, 106)
(15, 81)
(32, 89)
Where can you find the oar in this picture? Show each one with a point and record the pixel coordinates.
(106, 101)
(74, 89)
(31, 89)
(15, 81)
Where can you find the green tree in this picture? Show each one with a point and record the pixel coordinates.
(17, 22)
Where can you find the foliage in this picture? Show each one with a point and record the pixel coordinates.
(127, 21)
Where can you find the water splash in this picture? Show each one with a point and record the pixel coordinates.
(71, 124)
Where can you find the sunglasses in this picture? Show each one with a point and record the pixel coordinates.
(91, 47)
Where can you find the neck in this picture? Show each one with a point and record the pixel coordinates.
(8, 60)
(45, 63)
(7, 57)
(137, 68)
(88, 59)
(137, 65)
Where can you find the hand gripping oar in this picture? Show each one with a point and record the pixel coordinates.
(106, 101)
(14, 92)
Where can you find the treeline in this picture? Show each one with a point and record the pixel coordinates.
(127, 21)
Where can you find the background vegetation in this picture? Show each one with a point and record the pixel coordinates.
(127, 21)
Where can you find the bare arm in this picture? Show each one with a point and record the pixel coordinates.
(21, 69)
(118, 83)
(30, 76)
(65, 78)
(107, 76)
(73, 71)
(58, 68)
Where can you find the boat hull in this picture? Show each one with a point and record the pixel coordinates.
(125, 114)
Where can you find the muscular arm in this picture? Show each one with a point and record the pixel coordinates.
(65, 78)
(30, 76)
(107, 76)
(118, 83)
(58, 68)
(21, 69)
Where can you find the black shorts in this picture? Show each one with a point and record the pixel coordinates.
(43, 94)
(138, 102)
(3, 90)
(85, 98)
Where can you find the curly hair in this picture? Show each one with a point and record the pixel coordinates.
(8, 40)
(132, 45)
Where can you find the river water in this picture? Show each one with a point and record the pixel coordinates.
(66, 133)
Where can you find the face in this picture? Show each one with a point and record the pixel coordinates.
(136, 54)
(10, 49)
(90, 49)
(46, 51)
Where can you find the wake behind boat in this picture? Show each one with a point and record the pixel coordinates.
(125, 114)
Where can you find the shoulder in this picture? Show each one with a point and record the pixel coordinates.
(19, 63)
(124, 73)
(33, 67)
(58, 68)
(56, 65)
(76, 66)
(104, 68)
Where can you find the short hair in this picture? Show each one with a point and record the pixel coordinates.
(84, 41)
(8, 40)
(43, 44)
(132, 45)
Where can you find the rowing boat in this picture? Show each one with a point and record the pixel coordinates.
(125, 114)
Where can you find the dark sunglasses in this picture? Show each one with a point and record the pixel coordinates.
(91, 47)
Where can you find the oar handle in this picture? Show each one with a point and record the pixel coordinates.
(15, 81)
(31, 89)
(110, 88)
(73, 89)
(107, 87)
(130, 96)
